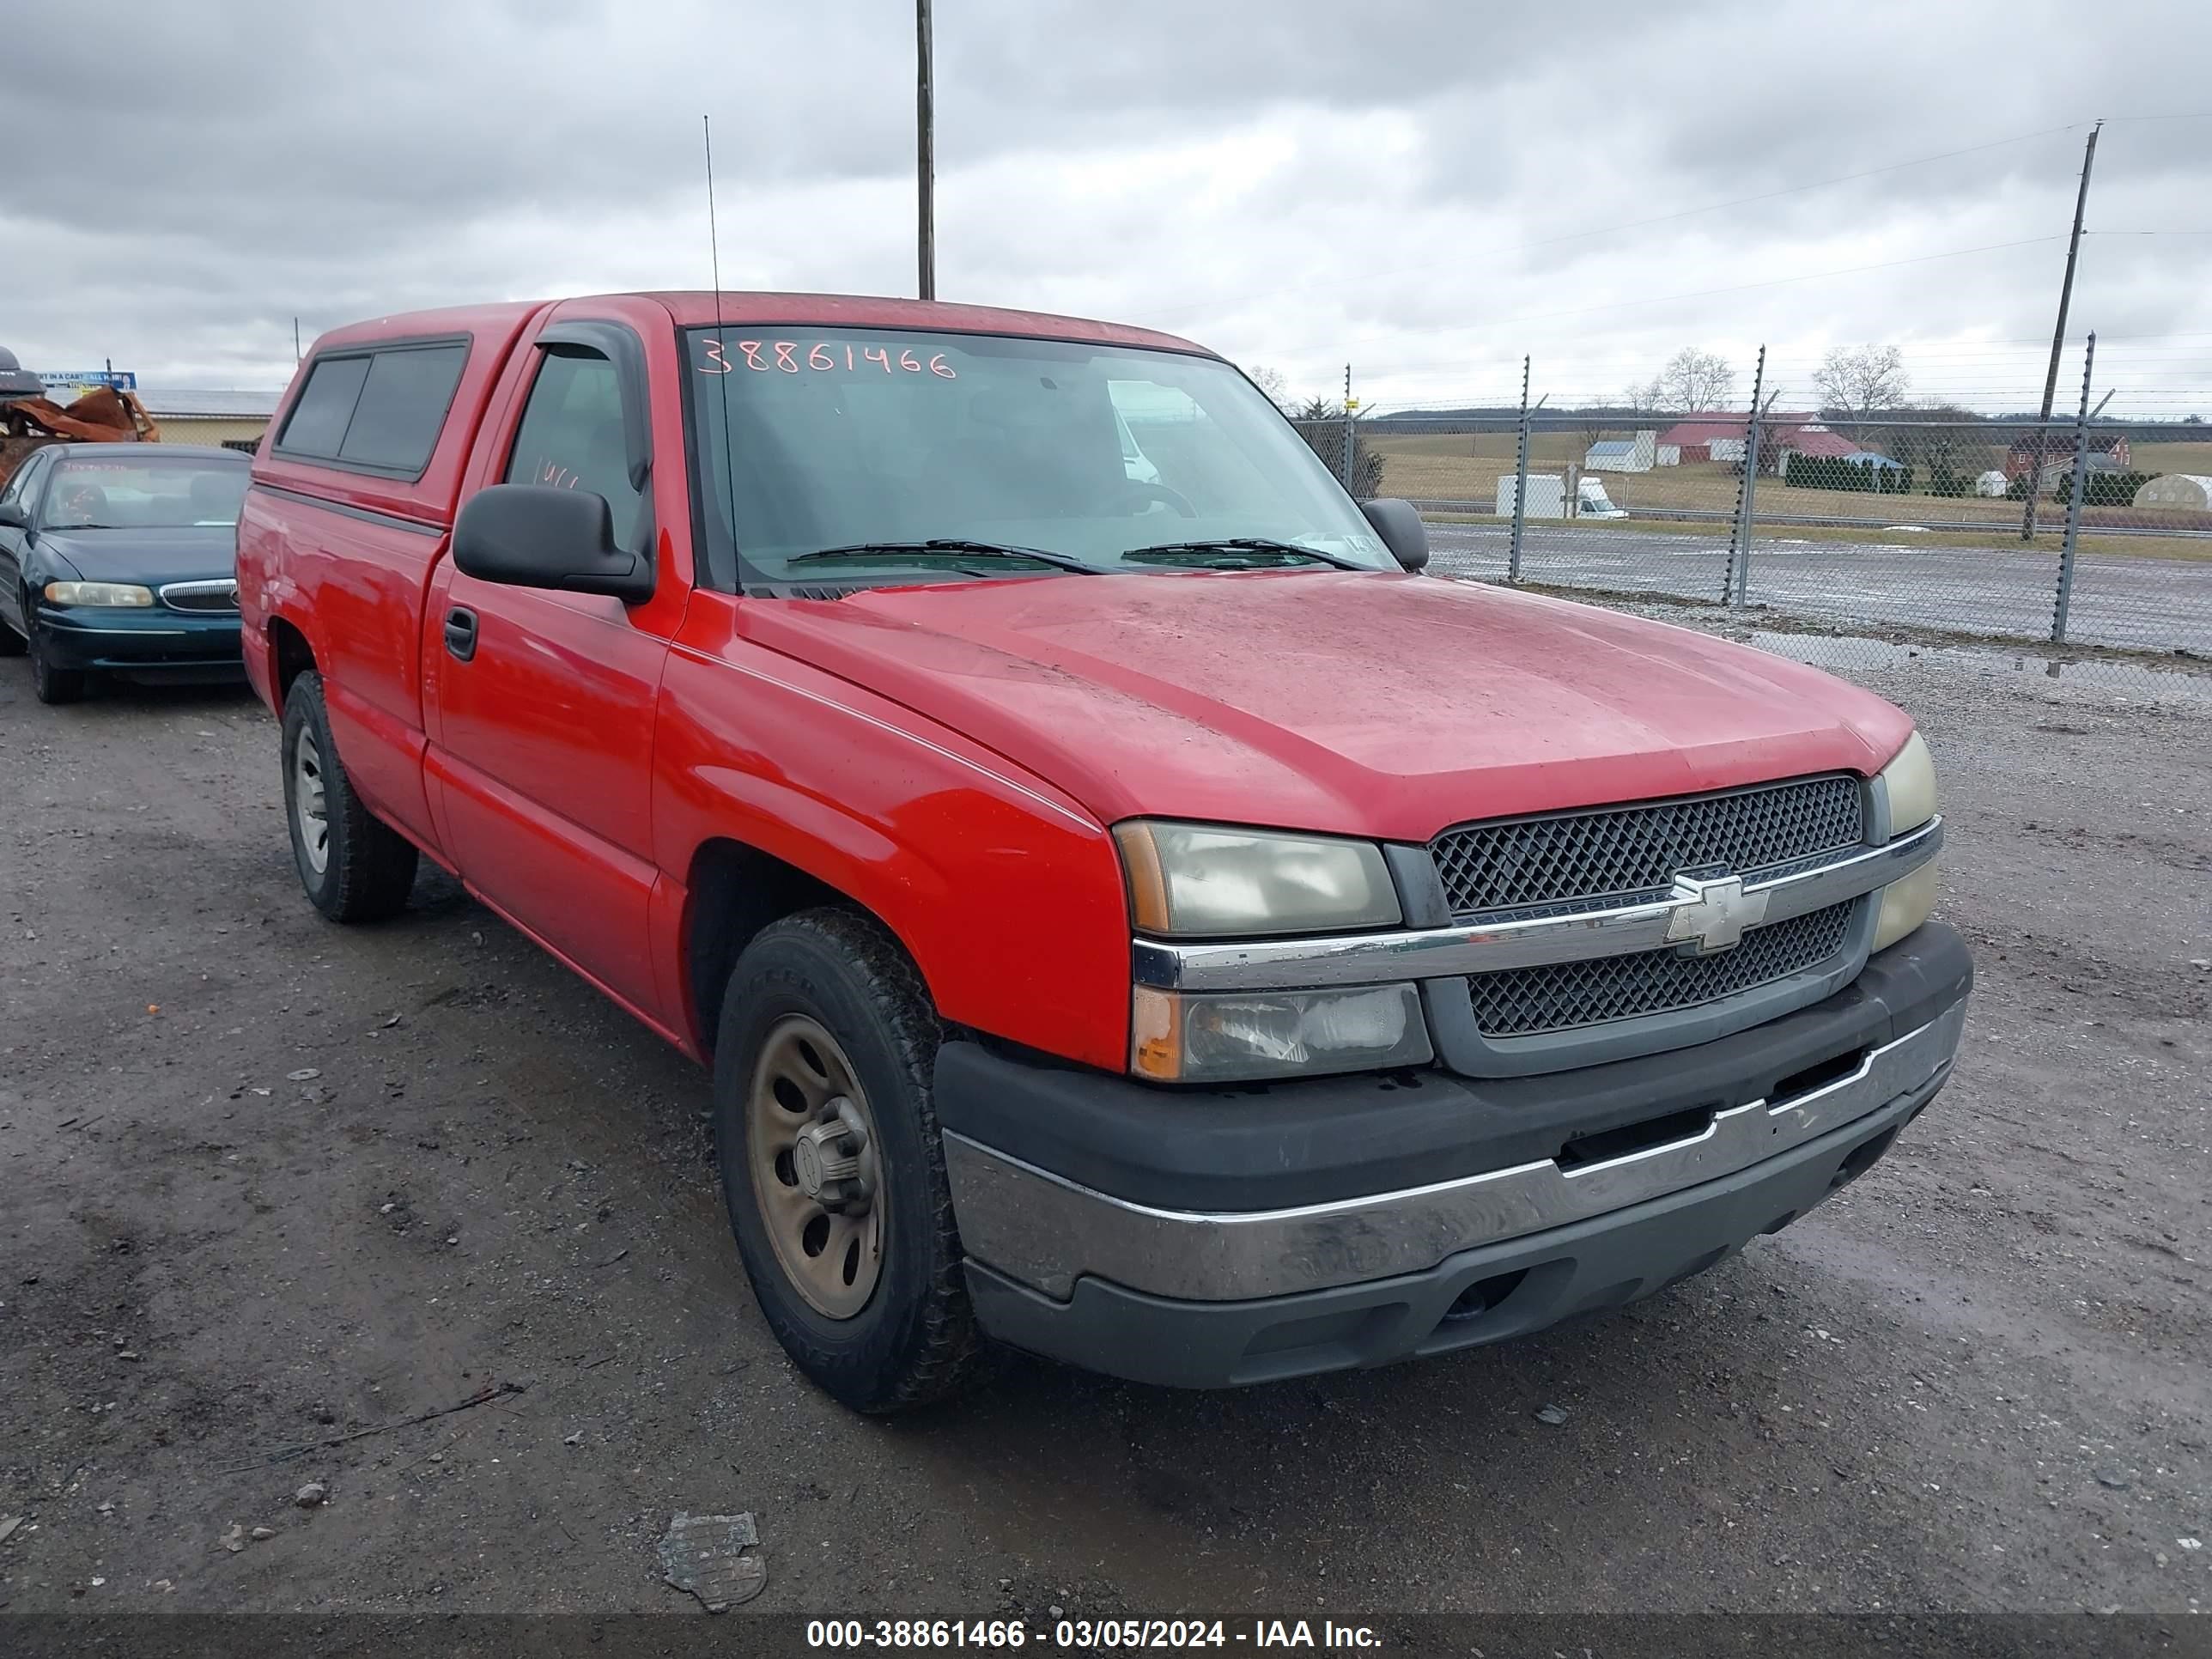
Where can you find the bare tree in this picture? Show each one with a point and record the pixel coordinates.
(1270, 382)
(1950, 447)
(1645, 399)
(1695, 379)
(1864, 384)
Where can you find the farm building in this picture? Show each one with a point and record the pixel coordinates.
(1637, 454)
(235, 420)
(1819, 442)
(2189, 489)
(1718, 435)
(2051, 454)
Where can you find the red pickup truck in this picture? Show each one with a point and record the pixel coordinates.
(1130, 913)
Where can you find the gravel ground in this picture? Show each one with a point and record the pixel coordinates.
(1956, 582)
(264, 1182)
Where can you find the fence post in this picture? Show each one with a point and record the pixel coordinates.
(2074, 504)
(1351, 438)
(1735, 582)
(1520, 482)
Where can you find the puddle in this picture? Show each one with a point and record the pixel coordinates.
(1853, 651)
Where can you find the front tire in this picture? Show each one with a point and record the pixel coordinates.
(353, 866)
(50, 683)
(832, 1171)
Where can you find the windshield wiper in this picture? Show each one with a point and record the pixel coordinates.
(954, 548)
(1172, 552)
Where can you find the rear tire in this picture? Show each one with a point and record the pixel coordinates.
(912, 1337)
(49, 683)
(353, 866)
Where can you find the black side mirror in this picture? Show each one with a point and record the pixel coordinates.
(1399, 524)
(537, 536)
(13, 516)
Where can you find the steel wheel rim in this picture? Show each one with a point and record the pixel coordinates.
(826, 1230)
(311, 802)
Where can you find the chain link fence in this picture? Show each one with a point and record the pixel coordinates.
(2088, 541)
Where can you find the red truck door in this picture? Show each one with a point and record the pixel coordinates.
(542, 702)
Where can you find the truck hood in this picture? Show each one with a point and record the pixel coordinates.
(1366, 704)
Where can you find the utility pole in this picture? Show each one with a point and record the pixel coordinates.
(295, 339)
(924, 121)
(2058, 334)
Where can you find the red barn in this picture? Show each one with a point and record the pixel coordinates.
(2050, 452)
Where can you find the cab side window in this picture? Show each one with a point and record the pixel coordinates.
(572, 436)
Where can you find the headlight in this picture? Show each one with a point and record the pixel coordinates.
(1910, 782)
(1196, 880)
(104, 594)
(1179, 1038)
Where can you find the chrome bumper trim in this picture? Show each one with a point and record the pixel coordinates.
(1477, 947)
(1047, 1231)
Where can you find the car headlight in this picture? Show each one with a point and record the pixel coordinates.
(1195, 880)
(100, 594)
(1909, 780)
(1177, 1036)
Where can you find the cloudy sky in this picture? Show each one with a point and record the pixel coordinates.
(1426, 188)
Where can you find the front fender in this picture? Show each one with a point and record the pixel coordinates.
(1007, 894)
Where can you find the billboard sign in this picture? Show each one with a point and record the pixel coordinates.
(87, 380)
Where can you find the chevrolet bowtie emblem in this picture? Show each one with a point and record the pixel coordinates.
(1711, 916)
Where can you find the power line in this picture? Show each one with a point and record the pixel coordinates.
(1792, 190)
(1707, 292)
(1689, 213)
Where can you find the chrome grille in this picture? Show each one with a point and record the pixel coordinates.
(1614, 851)
(220, 595)
(1564, 995)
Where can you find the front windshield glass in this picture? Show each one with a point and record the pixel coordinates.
(855, 437)
(97, 492)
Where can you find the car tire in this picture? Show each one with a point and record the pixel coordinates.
(833, 975)
(353, 866)
(50, 683)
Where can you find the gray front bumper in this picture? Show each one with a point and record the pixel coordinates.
(1040, 1229)
(1486, 1294)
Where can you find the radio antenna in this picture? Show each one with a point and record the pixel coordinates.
(729, 452)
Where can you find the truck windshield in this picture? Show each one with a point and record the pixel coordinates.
(864, 438)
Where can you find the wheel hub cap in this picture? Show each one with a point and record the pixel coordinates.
(826, 1158)
(309, 803)
(813, 1151)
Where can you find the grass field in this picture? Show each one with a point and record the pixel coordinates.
(1466, 467)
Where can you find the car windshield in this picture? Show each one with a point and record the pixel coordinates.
(95, 492)
(877, 442)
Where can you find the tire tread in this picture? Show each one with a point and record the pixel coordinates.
(945, 1351)
(372, 865)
